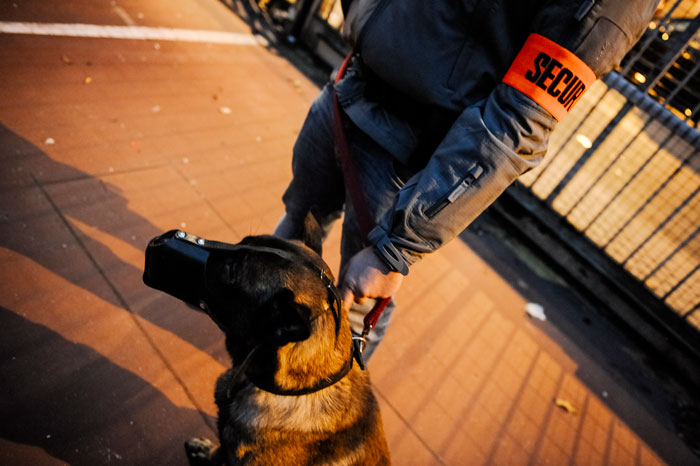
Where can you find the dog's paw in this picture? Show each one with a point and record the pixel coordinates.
(201, 452)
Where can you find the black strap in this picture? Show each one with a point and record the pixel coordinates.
(334, 301)
(325, 382)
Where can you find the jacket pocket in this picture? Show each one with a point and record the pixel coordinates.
(614, 27)
(473, 16)
(604, 46)
(474, 173)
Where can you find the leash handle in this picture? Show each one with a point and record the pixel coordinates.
(358, 200)
(373, 316)
(370, 321)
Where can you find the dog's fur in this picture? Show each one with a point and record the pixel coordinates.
(282, 308)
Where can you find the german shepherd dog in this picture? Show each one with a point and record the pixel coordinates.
(294, 396)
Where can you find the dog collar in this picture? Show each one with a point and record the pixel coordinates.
(268, 386)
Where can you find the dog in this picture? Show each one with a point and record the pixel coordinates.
(296, 393)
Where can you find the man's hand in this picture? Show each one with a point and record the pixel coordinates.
(367, 276)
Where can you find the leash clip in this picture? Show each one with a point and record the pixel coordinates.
(358, 346)
(360, 341)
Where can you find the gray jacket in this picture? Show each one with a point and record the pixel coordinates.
(443, 61)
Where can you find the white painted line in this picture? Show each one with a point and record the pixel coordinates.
(126, 32)
(119, 11)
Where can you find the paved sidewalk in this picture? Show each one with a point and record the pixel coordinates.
(106, 143)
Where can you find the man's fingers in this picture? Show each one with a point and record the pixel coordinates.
(347, 296)
(349, 299)
(350, 296)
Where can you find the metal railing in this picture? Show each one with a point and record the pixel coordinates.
(624, 166)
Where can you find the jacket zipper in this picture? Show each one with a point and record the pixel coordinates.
(474, 173)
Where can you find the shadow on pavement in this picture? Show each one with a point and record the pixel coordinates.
(81, 408)
(38, 218)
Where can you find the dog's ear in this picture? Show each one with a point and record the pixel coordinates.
(287, 320)
(311, 234)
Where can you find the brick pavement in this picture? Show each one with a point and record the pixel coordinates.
(98, 369)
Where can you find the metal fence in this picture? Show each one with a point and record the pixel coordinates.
(624, 166)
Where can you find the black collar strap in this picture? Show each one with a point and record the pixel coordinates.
(326, 382)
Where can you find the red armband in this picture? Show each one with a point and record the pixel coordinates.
(550, 75)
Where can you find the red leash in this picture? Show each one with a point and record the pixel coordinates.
(352, 181)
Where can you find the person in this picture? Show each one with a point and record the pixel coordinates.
(444, 104)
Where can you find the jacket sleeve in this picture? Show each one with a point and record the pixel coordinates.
(486, 149)
(495, 141)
